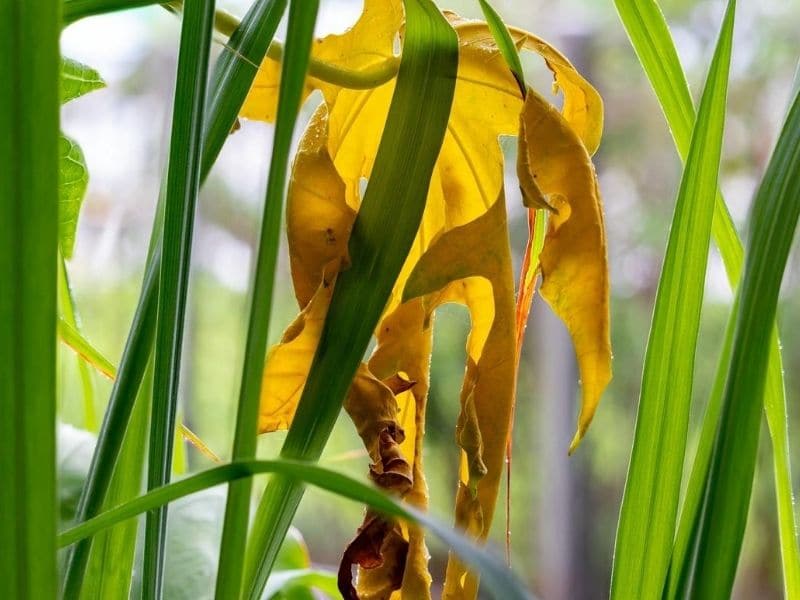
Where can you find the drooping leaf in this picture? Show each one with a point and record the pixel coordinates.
(465, 222)
(573, 261)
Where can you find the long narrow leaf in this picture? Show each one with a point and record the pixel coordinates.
(29, 178)
(500, 581)
(654, 46)
(679, 568)
(727, 496)
(183, 184)
(652, 488)
(300, 31)
(225, 100)
(382, 235)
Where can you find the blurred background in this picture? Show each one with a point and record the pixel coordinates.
(564, 510)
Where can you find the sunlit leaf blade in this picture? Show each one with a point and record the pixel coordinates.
(182, 186)
(505, 43)
(379, 243)
(501, 583)
(223, 108)
(29, 122)
(729, 484)
(652, 489)
(78, 79)
(649, 34)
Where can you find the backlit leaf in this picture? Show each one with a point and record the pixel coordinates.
(461, 254)
(78, 79)
(74, 177)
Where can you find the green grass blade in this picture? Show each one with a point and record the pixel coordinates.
(505, 43)
(649, 34)
(111, 560)
(182, 187)
(652, 489)
(224, 107)
(300, 32)
(727, 496)
(78, 9)
(687, 526)
(29, 134)
(382, 235)
(500, 581)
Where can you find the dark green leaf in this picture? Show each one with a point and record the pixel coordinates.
(182, 187)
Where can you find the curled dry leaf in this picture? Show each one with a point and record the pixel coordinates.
(461, 254)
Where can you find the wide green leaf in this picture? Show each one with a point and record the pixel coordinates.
(29, 126)
(652, 489)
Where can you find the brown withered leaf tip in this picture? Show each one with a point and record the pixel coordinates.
(366, 551)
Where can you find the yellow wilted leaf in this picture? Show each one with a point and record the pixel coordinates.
(573, 261)
(461, 254)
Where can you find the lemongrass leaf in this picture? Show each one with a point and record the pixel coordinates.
(29, 122)
(652, 488)
(727, 493)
